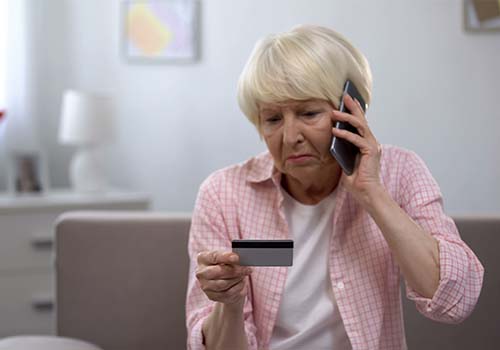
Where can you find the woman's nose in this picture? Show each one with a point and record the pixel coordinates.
(292, 131)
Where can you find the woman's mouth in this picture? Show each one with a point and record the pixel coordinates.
(299, 158)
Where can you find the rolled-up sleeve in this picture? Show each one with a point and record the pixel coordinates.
(209, 231)
(461, 272)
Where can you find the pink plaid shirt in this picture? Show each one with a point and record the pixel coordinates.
(244, 202)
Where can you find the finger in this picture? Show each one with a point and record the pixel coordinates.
(237, 292)
(231, 295)
(360, 124)
(367, 146)
(353, 138)
(362, 109)
(207, 258)
(353, 106)
(221, 285)
(349, 118)
(215, 257)
(222, 271)
(219, 272)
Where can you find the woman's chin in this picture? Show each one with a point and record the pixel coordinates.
(302, 171)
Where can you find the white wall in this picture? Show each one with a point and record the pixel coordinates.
(436, 91)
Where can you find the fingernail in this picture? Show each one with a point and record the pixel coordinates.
(233, 258)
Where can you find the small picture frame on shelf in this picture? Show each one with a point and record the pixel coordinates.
(26, 173)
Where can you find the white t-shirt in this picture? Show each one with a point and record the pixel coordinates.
(308, 316)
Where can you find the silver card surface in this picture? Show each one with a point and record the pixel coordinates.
(264, 252)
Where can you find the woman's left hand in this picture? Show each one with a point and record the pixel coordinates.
(365, 178)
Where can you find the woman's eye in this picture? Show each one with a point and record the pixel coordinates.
(272, 120)
(311, 114)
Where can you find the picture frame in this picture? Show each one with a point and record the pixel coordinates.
(160, 31)
(27, 173)
(480, 16)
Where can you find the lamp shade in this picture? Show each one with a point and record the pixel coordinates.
(86, 119)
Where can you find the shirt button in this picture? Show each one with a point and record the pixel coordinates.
(340, 285)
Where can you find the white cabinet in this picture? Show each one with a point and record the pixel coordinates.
(26, 260)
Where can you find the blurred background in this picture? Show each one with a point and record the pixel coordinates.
(436, 91)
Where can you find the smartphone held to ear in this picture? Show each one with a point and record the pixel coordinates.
(342, 150)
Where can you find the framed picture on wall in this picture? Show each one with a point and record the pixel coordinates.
(26, 173)
(482, 15)
(160, 31)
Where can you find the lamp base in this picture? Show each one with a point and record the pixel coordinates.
(86, 172)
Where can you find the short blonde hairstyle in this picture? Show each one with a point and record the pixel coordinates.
(304, 63)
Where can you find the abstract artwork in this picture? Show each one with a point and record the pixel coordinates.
(160, 30)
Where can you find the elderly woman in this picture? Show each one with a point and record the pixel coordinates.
(354, 235)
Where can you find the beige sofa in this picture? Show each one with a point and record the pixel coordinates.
(121, 279)
(121, 282)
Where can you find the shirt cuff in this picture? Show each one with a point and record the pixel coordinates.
(447, 304)
(195, 334)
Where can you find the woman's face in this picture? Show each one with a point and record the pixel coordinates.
(298, 135)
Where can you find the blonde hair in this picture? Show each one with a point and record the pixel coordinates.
(304, 63)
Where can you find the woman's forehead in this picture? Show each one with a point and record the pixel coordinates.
(265, 106)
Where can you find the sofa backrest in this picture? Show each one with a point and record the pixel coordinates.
(121, 279)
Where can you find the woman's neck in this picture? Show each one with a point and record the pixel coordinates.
(312, 189)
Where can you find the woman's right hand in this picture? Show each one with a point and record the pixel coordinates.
(221, 277)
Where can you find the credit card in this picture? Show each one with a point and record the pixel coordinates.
(257, 252)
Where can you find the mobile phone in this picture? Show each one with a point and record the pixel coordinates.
(342, 150)
(257, 252)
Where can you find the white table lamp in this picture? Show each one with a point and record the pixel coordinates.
(86, 122)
